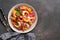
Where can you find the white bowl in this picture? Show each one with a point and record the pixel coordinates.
(11, 25)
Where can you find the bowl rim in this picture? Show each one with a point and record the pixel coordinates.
(16, 30)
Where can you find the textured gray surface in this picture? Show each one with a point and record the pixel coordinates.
(17, 36)
(48, 26)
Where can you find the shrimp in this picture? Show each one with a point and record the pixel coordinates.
(26, 25)
(24, 13)
(26, 7)
(17, 25)
(20, 19)
(24, 28)
(25, 16)
(13, 18)
(26, 19)
(23, 7)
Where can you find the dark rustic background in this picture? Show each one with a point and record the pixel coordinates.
(48, 26)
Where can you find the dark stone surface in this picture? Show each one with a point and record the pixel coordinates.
(48, 26)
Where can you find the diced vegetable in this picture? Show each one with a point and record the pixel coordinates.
(29, 9)
(14, 13)
(30, 23)
(19, 7)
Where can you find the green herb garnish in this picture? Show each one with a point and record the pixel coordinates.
(18, 13)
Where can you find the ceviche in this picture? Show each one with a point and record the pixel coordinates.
(22, 17)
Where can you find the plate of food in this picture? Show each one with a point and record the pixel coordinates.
(22, 18)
